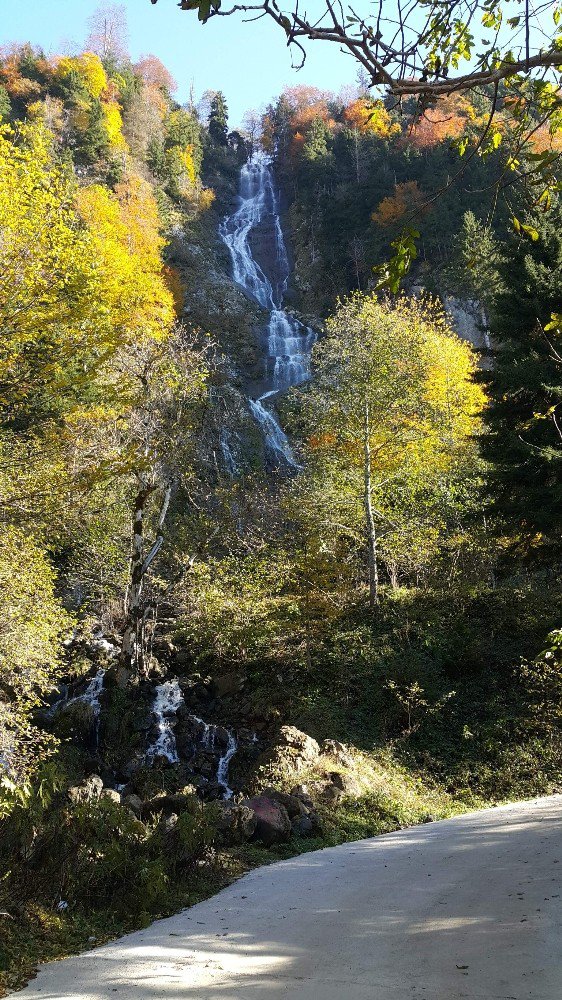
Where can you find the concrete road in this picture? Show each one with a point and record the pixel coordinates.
(469, 907)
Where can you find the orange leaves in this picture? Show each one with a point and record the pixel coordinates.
(448, 120)
(407, 199)
(318, 442)
(370, 117)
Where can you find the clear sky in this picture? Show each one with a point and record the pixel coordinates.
(249, 62)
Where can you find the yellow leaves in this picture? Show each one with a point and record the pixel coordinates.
(88, 67)
(371, 117)
(113, 124)
(189, 165)
(124, 227)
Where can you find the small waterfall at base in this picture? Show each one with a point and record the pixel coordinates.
(224, 763)
(91, 695)
(168, 700)
(289, 342)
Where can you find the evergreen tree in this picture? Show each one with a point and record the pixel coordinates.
(218, 119)
(525, 385)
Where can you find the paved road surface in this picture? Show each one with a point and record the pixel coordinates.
(469, 907)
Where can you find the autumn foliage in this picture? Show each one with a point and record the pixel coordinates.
(407, 198)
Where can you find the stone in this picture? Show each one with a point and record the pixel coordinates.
(77, 720)
(293, 805)
(88, 791)
(332, 795)
(134, 803)
(301, 792)
(131, 767)
(346, 783)
(235, 823)
(170, 804)
(169, 823)
(228, 684)
(303, 748)
(273, 825)
(302, 826)
(112, 795)
(338, 752)
(183, 657)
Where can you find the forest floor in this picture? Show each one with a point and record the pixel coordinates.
(466, 907)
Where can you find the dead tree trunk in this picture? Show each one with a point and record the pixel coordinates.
(369, 515)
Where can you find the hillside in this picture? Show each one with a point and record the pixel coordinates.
(280, 555)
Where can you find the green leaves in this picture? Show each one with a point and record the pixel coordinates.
(395, 270)
(204, 8)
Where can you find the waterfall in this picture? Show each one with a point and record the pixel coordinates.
(91, 695)
(224, 762)
(289, 342)
(167, 701)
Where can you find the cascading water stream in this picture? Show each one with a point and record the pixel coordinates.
(167, 701)
(289, 342)
(91, 695)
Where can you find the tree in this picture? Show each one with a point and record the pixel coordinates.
(218, 119)
(32, 624)
(522, 287)
(391, 414)
(170, 384)
(108, 32)
(419, 50)
(407, 198)
(153, 73)
(431, 42)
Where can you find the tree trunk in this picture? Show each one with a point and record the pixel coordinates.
(132, 649)
(370, 518)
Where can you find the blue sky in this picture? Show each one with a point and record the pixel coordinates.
(249, 62)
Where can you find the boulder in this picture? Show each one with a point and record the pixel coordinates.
(134, 803)
(301, 792)
(170, 804)
(293, 805)
(235, 824)
(338, 752)
(304, 747)
(77, 720)
(228, 684)
(88, 791)
(332, 795)
(272, 820)
(302, 826)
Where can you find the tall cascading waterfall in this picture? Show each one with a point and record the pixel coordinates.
(289, 342)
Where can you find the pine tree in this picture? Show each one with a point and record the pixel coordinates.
(525, 385)
(218, 119)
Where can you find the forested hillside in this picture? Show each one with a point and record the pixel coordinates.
(241, 608)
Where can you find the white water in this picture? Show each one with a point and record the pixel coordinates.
(289, 342)
(90, 696)
(208, 740)
(167, 701)
(224, 763)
